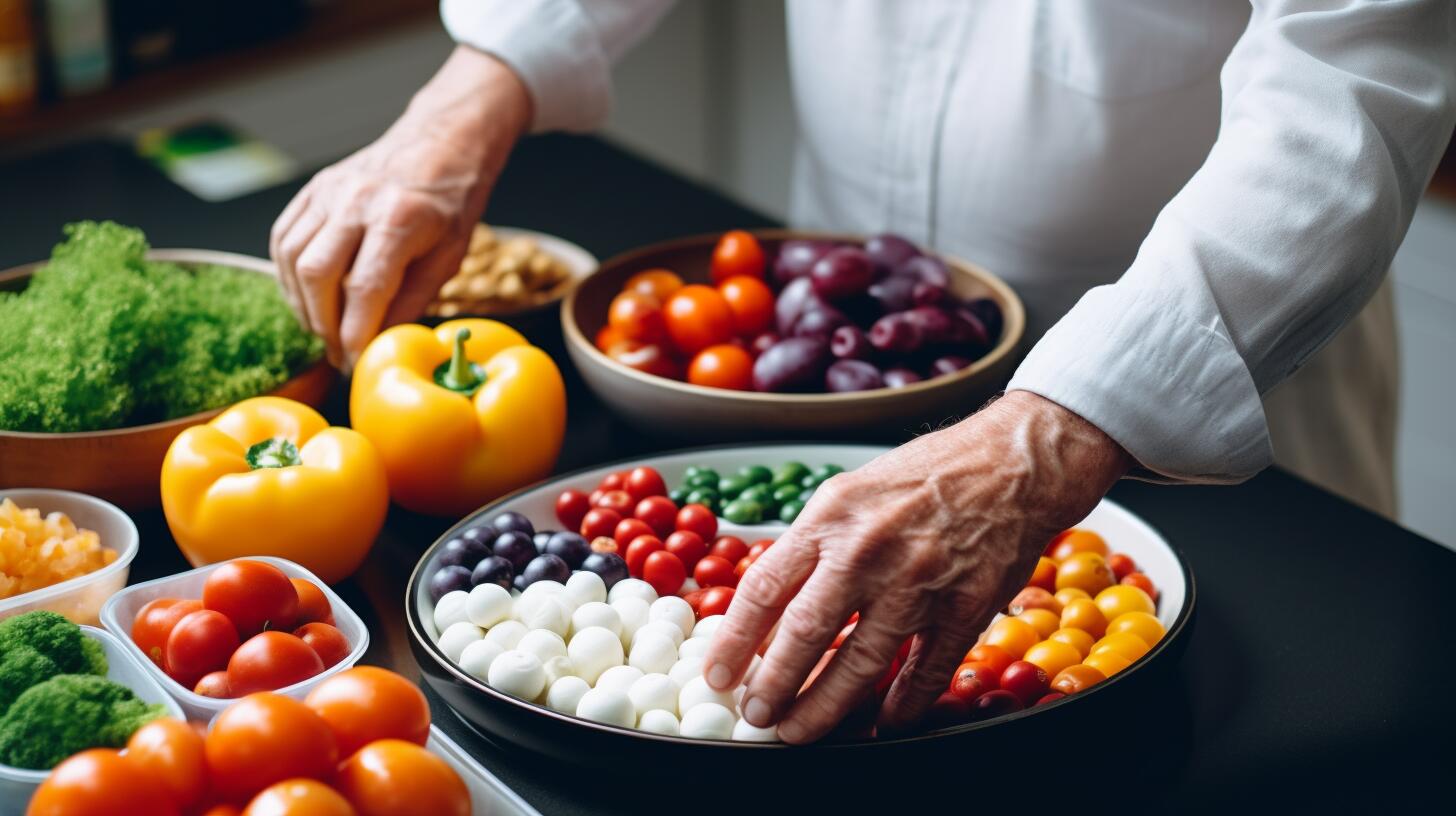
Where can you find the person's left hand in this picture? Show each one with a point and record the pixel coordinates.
(930, 540)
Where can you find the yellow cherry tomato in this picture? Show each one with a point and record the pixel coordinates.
(1141, 624)
(1108, 662)
(1066, 596)
(1044, 621)
(1121, 599)
(1084, 614)
(1077, 678)
(1075, 541)
(1086, 571)
(1076, 638)
(1053, 656)
(1126, 644)
(1012, 634)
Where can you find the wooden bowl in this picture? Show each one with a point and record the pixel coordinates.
(124, 465)
(661, 405)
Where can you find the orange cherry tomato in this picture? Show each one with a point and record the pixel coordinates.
(751, 302)
(737, 253)
(1045, 575)
(313, 605)
(1075, 678)
(1034, 598)
(1078, 540)
(224, 809)
(1086, 571)
(698, 317)
(1119, 599)
(1085, 615)
(266, 738)
(101, 782)
(327, 641)
(215, 685)
(1121, 565)
(1053, 656)
(1044, 621)
(171, 751)
(367, 703)
(649, 358)
(607, 336)
(656, 283)
(637, 317)
(1143, 582)
(152, 625)
(722, 366)
(271, 660)
(1108, 662)
(391, 777)
(1126, 644)
(299, 797)
(1069, 594)
(993, 656)
(1141, 624)
(1076, 638)
(1014, 635)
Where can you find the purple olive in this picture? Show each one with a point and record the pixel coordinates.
(796, 256)
(482, 531)
(794, 364)
(569, 547)
(894, 293)
(927, 268)
(928, 294)
(515, 547)
(970, 329)
(546, 567)
(842, 273)
(761, 343)
(608, 566)
(900, 377)
(935, 325)
(509, 520)
(896, 332)
(448, 579)
(949, 364)
(819, 323)
(493, 570)
(888, 251)
(462, 552)
(990, 314)
(852, 375)
(791, 303)
(849, 343)
(540, 539)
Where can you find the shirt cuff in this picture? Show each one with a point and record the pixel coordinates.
(1169, 387)
(551, 45)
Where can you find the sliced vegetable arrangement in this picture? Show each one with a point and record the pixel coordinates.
(819, 316)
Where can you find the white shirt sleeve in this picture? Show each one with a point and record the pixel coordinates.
(1334, 116)
(563, 50)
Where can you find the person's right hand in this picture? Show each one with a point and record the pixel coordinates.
(368, 241)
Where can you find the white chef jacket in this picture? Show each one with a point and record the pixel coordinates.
(1193, 196)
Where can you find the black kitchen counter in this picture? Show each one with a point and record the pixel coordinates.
(1311, 679)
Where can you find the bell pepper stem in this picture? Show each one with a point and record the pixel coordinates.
(273, 453)
(458, 373)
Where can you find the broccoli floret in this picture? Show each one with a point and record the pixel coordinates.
(37, 646)
(70, 713)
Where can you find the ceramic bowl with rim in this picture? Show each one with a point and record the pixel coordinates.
(526, 725)
(663, 405)
(124, 465)
(79, 599)
(578, 262)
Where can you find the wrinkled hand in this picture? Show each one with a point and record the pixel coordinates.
(368, 241)
(930, 540)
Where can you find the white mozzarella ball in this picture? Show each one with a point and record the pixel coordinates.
(557, 668)
(620, 678)
(488, 604)
(450, 609)
(657, 721)
(653, 691)
(652, 652)
(707, 626)
(565, 693)
(632, 611)
(694, 647)
(697, 692)
(543, 643)
(543, 612)
(743, 731)
(507, 634)
(632, 588)
(667, 628)
(686, 669)
(708, 721)
(543, 588)
(596, 613)
(674, 610)
(585, 587)
(609, 706)
(752, 667)
(477, 657)
(593, 650)
(517, 673)
(459, 635)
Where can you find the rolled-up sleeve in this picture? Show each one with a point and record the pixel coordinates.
(1334, 116)
(563, 50)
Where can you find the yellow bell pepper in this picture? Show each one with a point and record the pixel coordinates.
(269, 476)
(460, 414)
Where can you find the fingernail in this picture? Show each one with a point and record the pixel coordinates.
(719, 676)
(758, 713)
(790, 731)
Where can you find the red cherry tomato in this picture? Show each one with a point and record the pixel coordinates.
(972, 680)
(571, 508)
(594, 498)
(253, 595)
(993, 704)
(1141, 581)
(630, 528)
(699, 519)
(618, 500)
(607, 336)
(1045, 575)
(637, 317)
(698, 317)
(266, 738)
(665, 572)
(715, 601)
(616, 480)
(643, 482)
(656, 283)
(171, 751)
(757, 548)
(949, 710)
(155, 621)
(1050, 697)
(715, 571)
(743, 564)
(994, 656)
(200, 643)
(659, 512)
(326, 640)
(637, 552)
(1027, 681)
(750, 301)
(729, 548)
(100, 782)
(695, 600)
(313, 604)
(648, 358)
(688, 546)
(214, 685)
(737, 253)
(722, 366)
(1121, 565)
(269, 661)
(599, 521)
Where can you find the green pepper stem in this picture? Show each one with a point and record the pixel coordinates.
(458, 373)
(273, 453)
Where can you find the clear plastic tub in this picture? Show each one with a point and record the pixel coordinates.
(80, 598)
(17, 784)
(119, 612)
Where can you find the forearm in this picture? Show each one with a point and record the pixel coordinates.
(475, 105)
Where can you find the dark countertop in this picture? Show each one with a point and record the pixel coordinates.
(1312, 675)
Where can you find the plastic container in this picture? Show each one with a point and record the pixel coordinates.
(79, 599)
(17, 784)
(488, 795)
(121, 610)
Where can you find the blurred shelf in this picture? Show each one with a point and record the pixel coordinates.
(328, 27)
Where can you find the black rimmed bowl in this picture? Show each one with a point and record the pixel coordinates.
(519, 724)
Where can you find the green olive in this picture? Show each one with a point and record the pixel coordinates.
(739, 511)
(789, 473)
(790, 511)
(756, 474)
(731, 486)
(703, 496)
(761, 493)
(785, 492)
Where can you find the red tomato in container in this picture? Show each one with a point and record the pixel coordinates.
(737, 253)
(630, 528)
(750, 301)
(155, 621)
(1141, 581)
(326, 640)
(659, 512)
(715, 601)
(267, 738)
(637, 552)
(608, 337)
(571, 508)
(616, 480)
(714, 571)
(1027, 681)
(649, 358)
(618, 500)
(313, 604)
(699, 519)
(688, 546)
(665, 572)
(367, 703)
(171, 751)
(994, 656)
(394, 778)
(757, 548)
(722, 366)
(271, 660)
(599, 521)
(643, 482)
(972, 680)
(729, 548)
(101, 782)
(1121, 565)
(200, 643)
(655, 283)
(253, 595)
(214, 685)
(637, 317)
(698, 317)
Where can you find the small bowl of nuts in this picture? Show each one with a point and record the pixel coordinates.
(508, 271)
